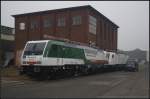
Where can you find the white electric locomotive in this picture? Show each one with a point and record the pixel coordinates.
(49, 56)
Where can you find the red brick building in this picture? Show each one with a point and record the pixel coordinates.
(82, 24)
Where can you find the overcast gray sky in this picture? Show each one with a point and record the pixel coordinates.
(131, 16)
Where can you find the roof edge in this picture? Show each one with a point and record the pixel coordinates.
(61, 9)
(104, 16)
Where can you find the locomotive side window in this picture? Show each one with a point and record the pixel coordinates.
(55, 51)
(61, 51)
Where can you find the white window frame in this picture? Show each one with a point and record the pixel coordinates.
(92, 24)
(22, 26)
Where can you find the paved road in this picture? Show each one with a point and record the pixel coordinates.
(112, 84)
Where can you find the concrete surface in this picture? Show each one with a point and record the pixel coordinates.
(117, 84)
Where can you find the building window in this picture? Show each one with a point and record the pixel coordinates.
(47, 22)
(76, 20)
(92, 24)
(61, 21)
(34, 24)
(22, 26)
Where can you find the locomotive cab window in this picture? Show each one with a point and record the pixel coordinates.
(34, 48)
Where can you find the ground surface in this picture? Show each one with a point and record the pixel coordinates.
(109, 84)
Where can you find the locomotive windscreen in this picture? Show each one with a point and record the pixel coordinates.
(34, 48)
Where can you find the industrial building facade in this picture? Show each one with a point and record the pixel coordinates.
(81, 24)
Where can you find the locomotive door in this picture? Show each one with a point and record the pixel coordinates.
(59, 55)
(56, 54)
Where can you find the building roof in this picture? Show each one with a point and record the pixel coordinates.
(63, 9)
